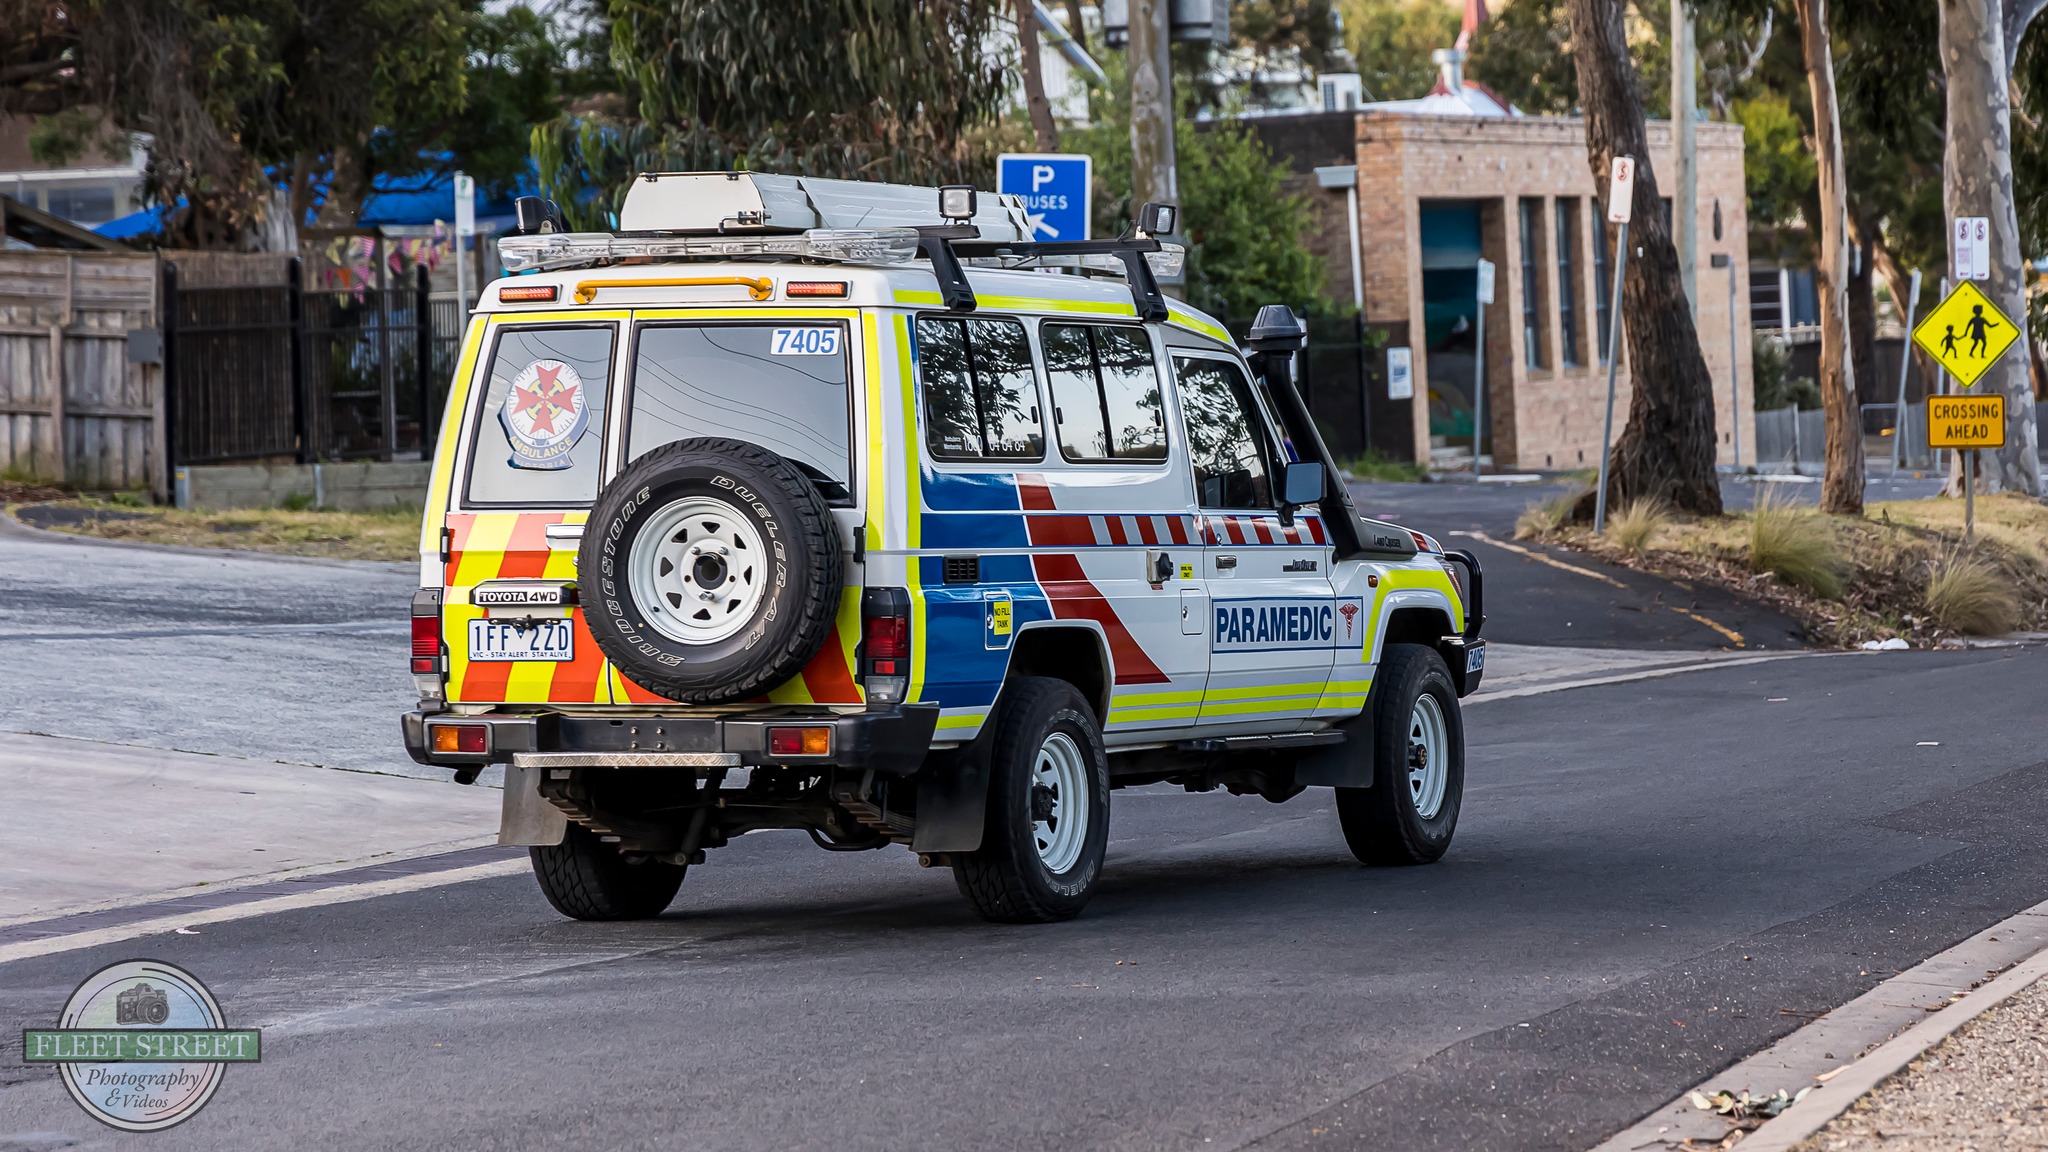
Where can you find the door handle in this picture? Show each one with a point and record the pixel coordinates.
(1226, 561)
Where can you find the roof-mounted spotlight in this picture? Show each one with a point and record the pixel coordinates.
(956, 202)
(1158, 220)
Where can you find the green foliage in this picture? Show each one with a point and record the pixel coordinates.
(853, 89)
(1525, 55)
(1778, 169)
(1375, 465)
(1244, 233)
(1770, 373)
(1392, 40)
(1271, 28)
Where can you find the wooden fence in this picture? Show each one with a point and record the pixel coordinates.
(81, 379)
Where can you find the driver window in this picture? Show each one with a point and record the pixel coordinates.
(1224, 437)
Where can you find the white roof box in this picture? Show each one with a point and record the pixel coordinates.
(744, 201)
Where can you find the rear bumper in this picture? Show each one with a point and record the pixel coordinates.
(893, 741)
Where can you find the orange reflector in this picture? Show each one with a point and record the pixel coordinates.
(799, 741)
(469, 738)
(832, 288)
(527, 293)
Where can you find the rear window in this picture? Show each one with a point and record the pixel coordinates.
(779, 384)
(539, 438)
(980, 399)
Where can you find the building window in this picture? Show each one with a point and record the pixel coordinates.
(1532, 282)
(86, 206)
(1567, 280)
(1602, 287)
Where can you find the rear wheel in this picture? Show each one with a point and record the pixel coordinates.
(1047, 825)
(588, 879)
(1418, 780)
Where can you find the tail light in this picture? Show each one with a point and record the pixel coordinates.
(429, 654)
(885, 644)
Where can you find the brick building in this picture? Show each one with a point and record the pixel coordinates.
(1448, 179)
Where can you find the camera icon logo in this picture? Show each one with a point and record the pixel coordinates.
(142, 1004)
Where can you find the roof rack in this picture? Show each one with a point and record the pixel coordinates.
(742, 216)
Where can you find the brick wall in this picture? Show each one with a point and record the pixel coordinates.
(1548, 417)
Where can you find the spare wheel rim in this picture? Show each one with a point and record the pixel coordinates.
(1060, 799)
(1429, 746)
(698, 570)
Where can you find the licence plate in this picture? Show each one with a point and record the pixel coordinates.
(545, 639)
(1475, 659)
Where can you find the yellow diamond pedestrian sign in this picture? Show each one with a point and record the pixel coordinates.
(1966, 333)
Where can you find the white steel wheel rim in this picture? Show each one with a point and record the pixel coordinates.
(1429, 746)
(698, 570)
(1059, 797)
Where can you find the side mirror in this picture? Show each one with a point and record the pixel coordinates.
(1302, 484)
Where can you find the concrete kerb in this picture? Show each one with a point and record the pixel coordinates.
(1890, 1025)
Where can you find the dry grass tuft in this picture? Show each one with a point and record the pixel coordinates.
(1636, 526)
(1797, 545)
(1971, 596)
(1540, 520)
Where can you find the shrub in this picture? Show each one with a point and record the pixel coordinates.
(1637, 524)
(1971, 596)
(1796, 545)
(1375, 465)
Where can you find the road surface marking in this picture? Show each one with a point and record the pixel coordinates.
(339, 894)
(1733, 636)
(1540, 558)
(1642, 674)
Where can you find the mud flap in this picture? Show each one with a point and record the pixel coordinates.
(527, 818)
(952, 796)
(1345, 765)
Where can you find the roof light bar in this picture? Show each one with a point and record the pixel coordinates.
(582, 249)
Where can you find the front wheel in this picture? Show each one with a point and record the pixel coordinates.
(1418, 779)
(588, 879)
(1047, 825)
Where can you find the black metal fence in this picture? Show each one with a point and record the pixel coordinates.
(1343, 377)
(266, 372)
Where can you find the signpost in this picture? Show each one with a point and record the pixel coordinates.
(465, 227)
(1905, 362)
(1485, 294)
(1621, 191)
(1057, 191)
(1967, 422)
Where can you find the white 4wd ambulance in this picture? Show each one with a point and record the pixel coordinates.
(810, 504)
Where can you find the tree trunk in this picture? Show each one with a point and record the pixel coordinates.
(1841, 489)
(1666, 451)
(1075, 28)
(1977, 181)
(1046, 135)
(1863, 313)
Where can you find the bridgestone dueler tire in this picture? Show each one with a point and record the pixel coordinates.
(587, 879)
(1381, 824)
(803, 572)
(1006, 879)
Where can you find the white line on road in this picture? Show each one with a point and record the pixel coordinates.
(340, 894)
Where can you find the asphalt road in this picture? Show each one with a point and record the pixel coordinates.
(1572, 600)
(1651, 879)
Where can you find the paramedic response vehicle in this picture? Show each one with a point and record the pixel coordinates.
(813, 504)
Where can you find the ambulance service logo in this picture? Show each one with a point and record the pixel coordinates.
(141, 1045)
(544, 414)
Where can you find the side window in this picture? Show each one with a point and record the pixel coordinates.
(1226, 441)
(1105, 393)
(981, 401)
(538, 438)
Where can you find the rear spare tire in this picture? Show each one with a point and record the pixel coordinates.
(710, 570)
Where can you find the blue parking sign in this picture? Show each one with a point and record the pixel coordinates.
(1057, 190)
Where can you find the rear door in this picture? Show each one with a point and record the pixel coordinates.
(1273, 624)
(532, 457)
